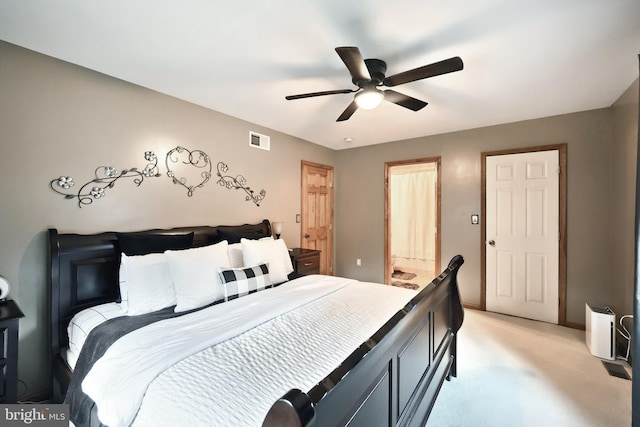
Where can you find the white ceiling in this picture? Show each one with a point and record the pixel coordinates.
(523, 59)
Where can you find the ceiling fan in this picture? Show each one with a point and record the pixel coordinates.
(369, 75)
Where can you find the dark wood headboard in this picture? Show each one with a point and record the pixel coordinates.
(83, 269)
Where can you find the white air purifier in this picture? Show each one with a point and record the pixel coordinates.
(601, 331)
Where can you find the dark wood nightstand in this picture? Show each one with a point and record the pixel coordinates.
(305, 261)
(10, 313)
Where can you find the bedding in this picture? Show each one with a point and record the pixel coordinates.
(393, 373)
(239, 282)
(84, 322)
(149, 283)
(235, 255)
(143, 267)
(196, 276)
(82, 411)
(132, 244)
(260, 334)
(273, 252)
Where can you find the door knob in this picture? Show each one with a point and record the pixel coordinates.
(492, 242)
(306, 236)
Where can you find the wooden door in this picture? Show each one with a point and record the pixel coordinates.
(522, 234)
(317, 212)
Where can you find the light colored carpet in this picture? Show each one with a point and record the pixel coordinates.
(517, 372)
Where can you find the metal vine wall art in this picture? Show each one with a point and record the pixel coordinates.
(179, 161)
(238, 183)
(195, 158)
(105, 178)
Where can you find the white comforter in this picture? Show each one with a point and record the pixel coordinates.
(225, 365)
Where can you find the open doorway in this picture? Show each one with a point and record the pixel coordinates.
(412, 222)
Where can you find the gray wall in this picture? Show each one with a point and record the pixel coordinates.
(360, 200)
(59, 119)
(623, 188)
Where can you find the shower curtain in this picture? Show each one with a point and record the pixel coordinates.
(413, 199)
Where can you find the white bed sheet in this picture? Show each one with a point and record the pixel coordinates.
(298, 336)
(84, 322)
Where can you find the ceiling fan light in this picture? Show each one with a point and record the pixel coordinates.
(369, 99)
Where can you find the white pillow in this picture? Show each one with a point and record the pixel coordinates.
(196, 276)
(272, 252)
(124, 290)
(235, 255)
(148, 283)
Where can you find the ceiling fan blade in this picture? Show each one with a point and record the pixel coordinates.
(354, 61)
(326, 92)
(403, 100)
(348, 112)
(437, 68)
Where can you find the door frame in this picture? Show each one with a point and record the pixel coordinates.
(388, 270)
(562, 218)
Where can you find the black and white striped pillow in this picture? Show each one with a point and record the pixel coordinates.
(243, 281)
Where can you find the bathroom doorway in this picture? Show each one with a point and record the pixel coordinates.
(412, 222)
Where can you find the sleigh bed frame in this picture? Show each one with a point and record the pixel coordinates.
(391, 379)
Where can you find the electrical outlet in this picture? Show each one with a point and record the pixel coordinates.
(359, 262)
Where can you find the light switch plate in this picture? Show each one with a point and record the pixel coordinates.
(475, 219)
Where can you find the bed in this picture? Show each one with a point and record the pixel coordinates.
(314, 350)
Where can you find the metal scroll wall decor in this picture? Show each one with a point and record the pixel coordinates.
(107, 176)
(238, 183)
(195, 158)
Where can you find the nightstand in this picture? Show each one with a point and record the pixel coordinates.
(305, 261)
(10, 313)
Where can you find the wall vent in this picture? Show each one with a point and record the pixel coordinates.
(259, 141)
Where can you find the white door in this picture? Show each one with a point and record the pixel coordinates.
(522, 231)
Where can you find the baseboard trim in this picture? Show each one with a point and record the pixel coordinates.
(573, 325)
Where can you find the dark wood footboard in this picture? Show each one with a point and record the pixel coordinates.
(393, 378)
